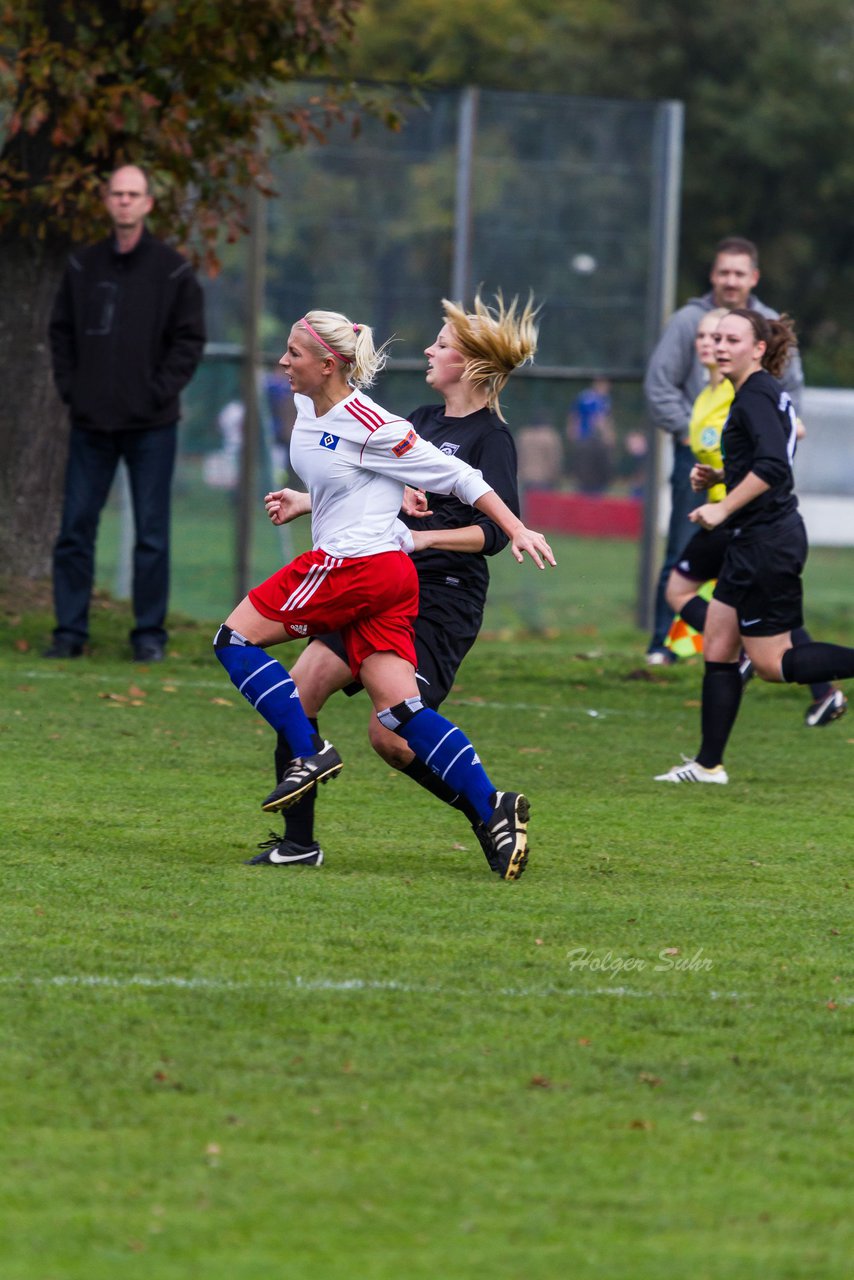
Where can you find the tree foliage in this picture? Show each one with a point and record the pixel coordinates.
(184, 88)
(191, 90)
(769, 97)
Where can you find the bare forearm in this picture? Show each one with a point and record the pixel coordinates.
(499, 512)
(745, 491)
(468, 538)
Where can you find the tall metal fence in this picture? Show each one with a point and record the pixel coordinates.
(571, 199)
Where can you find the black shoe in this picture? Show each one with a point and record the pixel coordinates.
(826, 710)
(149, 651)
(60, 648)
(278, 852)
(301, 775)
(507, 829)
(488, 847)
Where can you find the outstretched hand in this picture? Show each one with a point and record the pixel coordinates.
(526, 540)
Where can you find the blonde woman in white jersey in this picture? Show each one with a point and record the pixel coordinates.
(356, 458)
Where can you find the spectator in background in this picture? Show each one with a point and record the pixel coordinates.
(590, 430)
(126, 334)
(674, 379)
(540, 454)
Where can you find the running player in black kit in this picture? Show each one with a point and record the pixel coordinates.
(468, 365)
(758, 600)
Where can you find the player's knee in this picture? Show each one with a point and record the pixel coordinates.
(388, 745)
(768, 668)
(396, 718)
(674, 596)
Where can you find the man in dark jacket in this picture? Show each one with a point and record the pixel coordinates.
(126, 334)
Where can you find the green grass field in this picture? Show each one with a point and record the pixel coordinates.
(633, 1064)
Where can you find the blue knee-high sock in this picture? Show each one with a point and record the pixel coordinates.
(445, 749)
(268, 687)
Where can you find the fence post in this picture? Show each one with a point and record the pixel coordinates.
(466, 131)
(664, 241)
(247, 495)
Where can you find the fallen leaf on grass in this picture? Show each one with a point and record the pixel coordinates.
(531, 751)
(539, 1082)
(136, 692)
(168, 688)
(646, 1077)
(831, 1004)
(221, 702)
(23, 646)
(699, 1117)
(113, 697)
(641, 1124)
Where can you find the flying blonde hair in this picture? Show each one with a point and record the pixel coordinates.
(493, 341)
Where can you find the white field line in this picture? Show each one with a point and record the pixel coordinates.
(223, 687)
(345, 986)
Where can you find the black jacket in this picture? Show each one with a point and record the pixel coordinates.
(126, 334)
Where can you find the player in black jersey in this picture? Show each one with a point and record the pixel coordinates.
(758, 600)
(468, 365)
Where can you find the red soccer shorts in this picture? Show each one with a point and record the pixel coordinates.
(371, 600)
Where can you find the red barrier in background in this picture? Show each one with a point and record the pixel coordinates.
(583, 515)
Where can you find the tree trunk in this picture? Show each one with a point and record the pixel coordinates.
(33, 421)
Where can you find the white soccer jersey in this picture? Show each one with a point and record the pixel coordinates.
(355, 461)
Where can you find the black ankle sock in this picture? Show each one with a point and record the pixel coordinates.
(430, 781)
(694, 612)
(722, 686)
(299, 818)
(809, 663)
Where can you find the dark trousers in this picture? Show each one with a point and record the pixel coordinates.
(679, 533)
(93, 457)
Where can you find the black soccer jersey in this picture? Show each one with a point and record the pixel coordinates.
(483, 441)
(760, 435)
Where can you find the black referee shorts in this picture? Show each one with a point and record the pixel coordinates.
(761, 580)
(704, 554)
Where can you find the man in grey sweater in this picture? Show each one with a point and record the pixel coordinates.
(674, 379)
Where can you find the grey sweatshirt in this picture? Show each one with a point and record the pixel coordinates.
(674, 376)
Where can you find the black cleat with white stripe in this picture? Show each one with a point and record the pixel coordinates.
(507, 830)
(301, 775)
(276, 851)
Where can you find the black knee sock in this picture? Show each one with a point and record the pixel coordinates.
(299, 818)
(820, 688)
(817, 661)
(722, 686)
(694, 612)
(431, 782)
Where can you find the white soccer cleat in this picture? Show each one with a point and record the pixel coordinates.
(690, 771)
